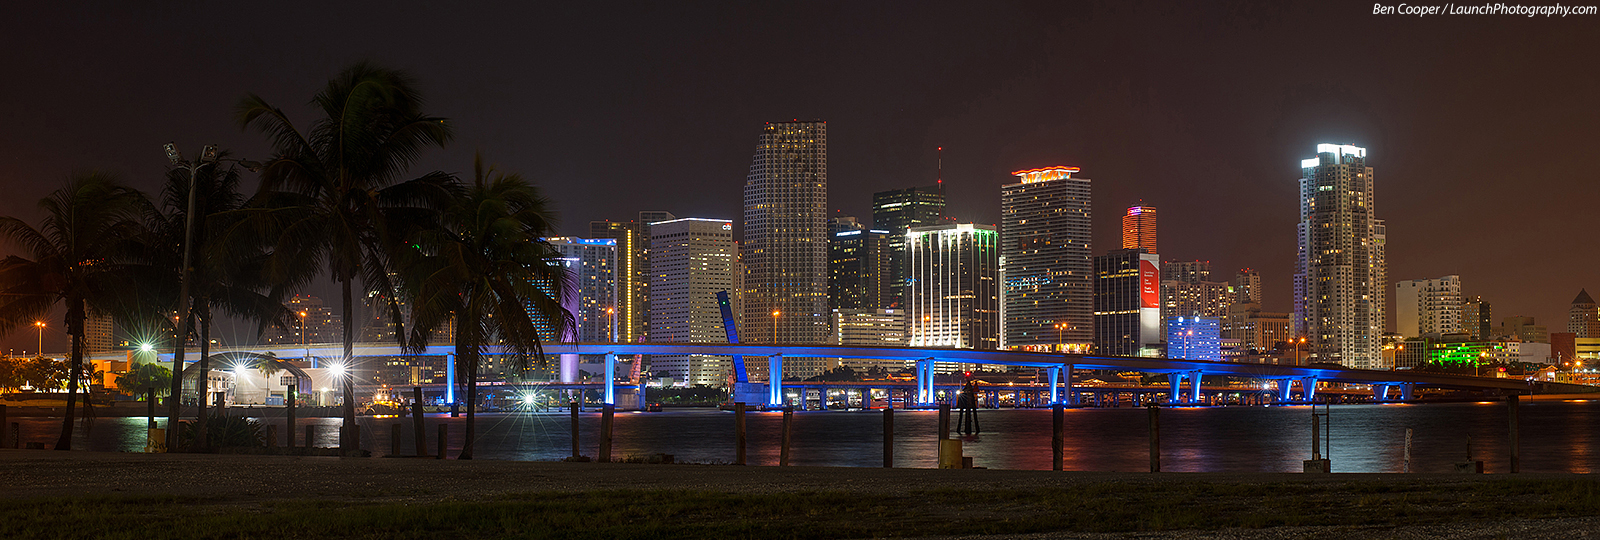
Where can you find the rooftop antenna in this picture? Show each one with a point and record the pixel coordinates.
(941, 171)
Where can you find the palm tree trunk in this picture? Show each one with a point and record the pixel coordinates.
(349, 371)
(472, 406)
(75, 317)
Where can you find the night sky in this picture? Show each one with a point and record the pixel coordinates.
(1483, 131)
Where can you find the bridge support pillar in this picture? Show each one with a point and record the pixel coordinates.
(925, 381)
(1308, 388)
(1284, 385)
(1175, 380)
(775, 380)
(1194, 387)
(1055, 382)
(1066, 375)
(449, 380)
(611, 379)
(1380, 392)
(1405, 391)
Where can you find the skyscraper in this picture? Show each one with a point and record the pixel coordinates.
(1127, 303)
(1247, 287)
(631, 317)
(1583, 318)
(633, 270)
(785, 249)
(316, 324)
(1049, 266)
(858, 270)
(593, 265)
(1424, 307)
(1191, 271)
(895, 211)
(1476, 317)
(692, 259)
(954, 295)
(1339, 277)
(1139, 228)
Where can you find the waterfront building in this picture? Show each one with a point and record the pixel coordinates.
(692, 261)
(1428, 306)
(870, 327)
(1127, 303)
(1247, 287)
(859, 274)
(954, 293)
(1194, 338)
(1476, 317)
(1476, 353)
(592, 263)
(1340, 271)
(895, 211)
(1049, 290)
(96, 332)
(1583, 318)
(785, 248)
(1139, 228)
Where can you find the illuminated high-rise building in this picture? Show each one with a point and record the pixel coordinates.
(97, 332)
(1127, 303)
(1139, 228)
(1340, 274)
(1583, 318)
(315, 324)
(1247, 287)
(692, 259)
(858, 270)
(1191, 271)
(954, 295)
(785, 249)
(1428, 307)
(592, 263)
(1049, 269)
(633, 270)
(895, 211)
(1194, 338)
(1476, 317)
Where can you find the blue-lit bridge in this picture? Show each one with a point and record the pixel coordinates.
(1183, 376)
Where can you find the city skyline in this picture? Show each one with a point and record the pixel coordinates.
(1005, 89)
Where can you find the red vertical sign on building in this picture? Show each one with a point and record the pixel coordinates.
(1149, 285)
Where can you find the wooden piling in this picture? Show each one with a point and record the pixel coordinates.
(417, 429)
(16, 436)
(150, 408)
(606, 416)
(1057, 441)
(1155, 438)
(272, 436)
(1511, 412)
(444, 439)
(739, 434)
(575, 451)
(944, 421)
(311, 435)
(289, 398)
(888, 437)
(783, 450)
(394, 439)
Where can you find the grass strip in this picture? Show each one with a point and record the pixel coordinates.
(641, 514)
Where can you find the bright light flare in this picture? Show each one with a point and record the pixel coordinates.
(146, 347)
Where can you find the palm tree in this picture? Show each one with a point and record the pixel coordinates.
(486, 266)
(326, 192)
(74, 258)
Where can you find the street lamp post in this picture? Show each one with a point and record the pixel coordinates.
(208, 157)
(303, 343)
(40, 324)
(1297, 346)
(775, 314)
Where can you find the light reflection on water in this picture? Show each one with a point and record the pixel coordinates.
(1555, 437)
